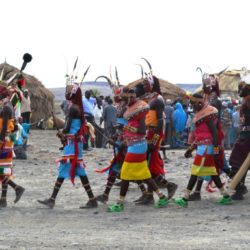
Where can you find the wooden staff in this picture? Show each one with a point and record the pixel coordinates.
(243, 169)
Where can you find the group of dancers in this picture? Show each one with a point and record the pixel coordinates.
(136, 142)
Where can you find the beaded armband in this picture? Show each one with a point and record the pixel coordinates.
(131, 129)
(216, 150)
(155, 139)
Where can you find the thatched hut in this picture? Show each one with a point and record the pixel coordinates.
(228, 83)
(169, 90)
(42, 100)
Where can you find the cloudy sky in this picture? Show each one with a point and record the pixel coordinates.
(176, 36)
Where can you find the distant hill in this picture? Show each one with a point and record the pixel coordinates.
(103, 88)
(190, 87)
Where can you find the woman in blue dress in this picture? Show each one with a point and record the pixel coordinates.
(71, 163)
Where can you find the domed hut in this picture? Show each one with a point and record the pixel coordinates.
(169, 90)
(42, 100)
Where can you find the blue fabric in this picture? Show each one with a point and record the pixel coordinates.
(88, 105)
(19, 141)
(26, 127)
(122, 121)
(179, 118)
(205, 149)
(69, 150)
(64, 170)
(138, 148)
(75, 126)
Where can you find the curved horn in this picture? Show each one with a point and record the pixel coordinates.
(221, 72)
(105, 77)
(85, 73)
(199, 68)
(74, 68)
(1, 76)
(11, 79)
(142, 71)
(116, 76)
(110, 73)
(149, 65)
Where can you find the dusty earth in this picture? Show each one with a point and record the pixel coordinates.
(28, 225)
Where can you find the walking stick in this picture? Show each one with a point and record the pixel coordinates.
(243, 169)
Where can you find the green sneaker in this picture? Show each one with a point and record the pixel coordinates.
(181, 202)
(225, 201)
(162, 202)
(116, 208)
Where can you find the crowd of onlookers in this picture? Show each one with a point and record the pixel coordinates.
(100, 114)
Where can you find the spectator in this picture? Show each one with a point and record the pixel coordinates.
(88, 108)
(169, 122)
(236, 121)
(226, 120)
(98, 111)
(179, 123)
(109, 118)
(25, 107)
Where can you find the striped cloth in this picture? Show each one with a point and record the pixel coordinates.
(204, 164)
(135, 165)
(6, 156)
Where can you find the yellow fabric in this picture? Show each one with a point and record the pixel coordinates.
(135, 171)
(203, 171)
(151, 118)
(10, 125)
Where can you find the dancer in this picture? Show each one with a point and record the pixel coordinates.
(211, 91)
(206, 142)
(151, 93)
(241, 147)
(6, 146)
(135, 167)
(71, 163)
(120, 149)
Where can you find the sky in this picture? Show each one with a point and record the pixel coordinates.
(176, 36)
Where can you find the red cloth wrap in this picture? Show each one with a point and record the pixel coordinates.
(78, 138)
(156, 164)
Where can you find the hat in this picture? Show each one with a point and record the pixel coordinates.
(25, 90)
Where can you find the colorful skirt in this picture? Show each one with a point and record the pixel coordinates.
(67, 158)
(6, 156)
(204, 164)
(135, 165)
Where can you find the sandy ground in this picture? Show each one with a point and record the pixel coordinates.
(28, 225)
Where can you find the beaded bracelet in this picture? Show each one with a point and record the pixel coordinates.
(155, 139)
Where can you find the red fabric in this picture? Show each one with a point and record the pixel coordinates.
(130, 157)
(21, 83)
(74, 163)
(78, 138)
(156, 164)
(202, 133)
(209, 160)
